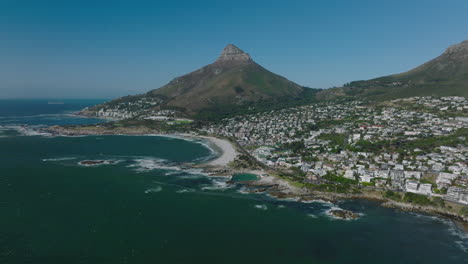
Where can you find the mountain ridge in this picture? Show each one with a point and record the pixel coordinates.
(445, 75)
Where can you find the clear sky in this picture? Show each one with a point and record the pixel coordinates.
(105, 49)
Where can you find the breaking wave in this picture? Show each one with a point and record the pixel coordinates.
(184, 190)
(154, 189)
(318, 201)
(261, 207)
(461, 236)
(218, 183)
(149, 164)
(26, 130)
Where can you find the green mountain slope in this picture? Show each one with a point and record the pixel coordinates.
(232, 79)
(445, 75)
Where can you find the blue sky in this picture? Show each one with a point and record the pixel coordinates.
(105, 49)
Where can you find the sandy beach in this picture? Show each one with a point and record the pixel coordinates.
(227, 151)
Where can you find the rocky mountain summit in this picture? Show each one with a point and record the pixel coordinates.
(232, 53)
(459, 50)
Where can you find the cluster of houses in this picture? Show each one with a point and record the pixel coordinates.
(442, 171)
(449, 103)
(359, 122)
(142, 107)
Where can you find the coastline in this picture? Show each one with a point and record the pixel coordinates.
(226, 152)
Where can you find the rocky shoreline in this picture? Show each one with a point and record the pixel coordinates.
(270, 184)
(280, 192)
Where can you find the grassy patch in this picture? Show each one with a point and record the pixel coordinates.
(417, 199)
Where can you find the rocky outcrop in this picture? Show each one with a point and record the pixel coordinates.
(233, 53)
(344, 214)
(459, 50)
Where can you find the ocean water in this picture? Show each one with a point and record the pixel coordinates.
(141, 205)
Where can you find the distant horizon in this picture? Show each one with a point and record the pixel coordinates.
(87, 49)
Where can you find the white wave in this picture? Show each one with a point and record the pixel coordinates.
(243, 190)
(28, 130)
(184, 190)
(312, 216)
(291, 199)
(319, 201)
(281, 206)
(154, 190)
(172, 173)
(218, 184)
(59, 159)
(462, 245)
(149, 164)
(428, 217)
(460, 235)
(190, 176)
(261, 207)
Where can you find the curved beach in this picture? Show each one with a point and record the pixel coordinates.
(227, 152)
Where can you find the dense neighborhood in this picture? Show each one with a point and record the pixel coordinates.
(411, 145)
(415, 145)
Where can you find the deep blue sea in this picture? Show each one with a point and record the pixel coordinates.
(142, 206)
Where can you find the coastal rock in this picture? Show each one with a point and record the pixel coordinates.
(95, 162)
(344, 214)
(282, 195)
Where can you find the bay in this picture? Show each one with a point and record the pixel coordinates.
(144, 206)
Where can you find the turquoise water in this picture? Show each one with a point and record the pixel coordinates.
(146, 207)
(244, 177)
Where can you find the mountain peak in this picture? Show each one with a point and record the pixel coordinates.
(233, 53)
(460, 47)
